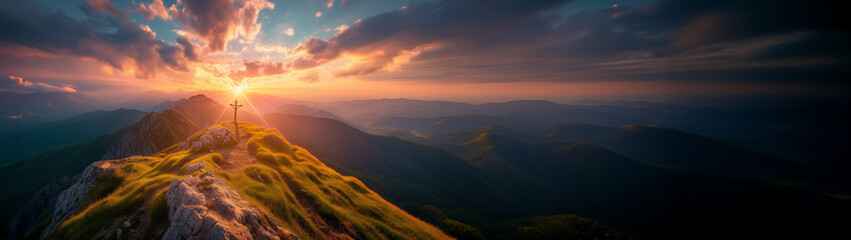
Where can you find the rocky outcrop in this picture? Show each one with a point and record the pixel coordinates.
(206, 207)
(193, 167)
(209, 139)
(33, 212)
(70, 199)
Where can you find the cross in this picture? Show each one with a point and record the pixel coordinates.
(235, 106)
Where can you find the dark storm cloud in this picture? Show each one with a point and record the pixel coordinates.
(522, 40)
(405, 29)
(118, 42)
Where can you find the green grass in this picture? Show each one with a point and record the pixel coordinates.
(273, 185)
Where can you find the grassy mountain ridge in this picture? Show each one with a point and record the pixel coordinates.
(285, 181)
(153, 133)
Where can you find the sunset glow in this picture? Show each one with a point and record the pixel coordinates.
(283, 48)
(425, 119)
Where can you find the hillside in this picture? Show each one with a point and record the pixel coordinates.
(28, 140)
(670, 147)
(650, 200)
(402, 171)
(434, 185)
(153, 133)
(210, 186)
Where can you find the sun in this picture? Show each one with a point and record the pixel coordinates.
(239, 92)
(239, 87)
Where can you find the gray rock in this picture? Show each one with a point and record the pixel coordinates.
(193, 167)
(207, 208)
(69, 199)
(210, 139)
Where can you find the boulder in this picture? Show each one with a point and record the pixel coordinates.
(192, 167)
(209, 139)
(70, 199)
(206, 207)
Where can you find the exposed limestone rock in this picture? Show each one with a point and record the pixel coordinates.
(207, 208)
(192, 167)
(211, 138)
(70, 198)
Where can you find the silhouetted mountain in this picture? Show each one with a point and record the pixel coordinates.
(653, 201)
(359, 110)
(454, 123)
(16, 108)
(301, 109)
(385, 114)
(403, 172)
(669, 147)
(31, 139)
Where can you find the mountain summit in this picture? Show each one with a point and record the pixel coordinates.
(213, 186)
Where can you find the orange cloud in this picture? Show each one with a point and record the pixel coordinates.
(153, 9)
(18, 84)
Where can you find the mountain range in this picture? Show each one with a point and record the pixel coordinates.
(468, 177)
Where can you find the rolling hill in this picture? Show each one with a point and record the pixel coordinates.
(31, 139)
(403, 172)
(674, 148)
(647, 199)
(433, 184)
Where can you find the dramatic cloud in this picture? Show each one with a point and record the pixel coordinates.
(258, 69)
(380, 39)
(431, 42)
(532, 41)
(19, 85)
(219, 21)
(178, 55)
(153, 9)
(119, 43)
(105, 6)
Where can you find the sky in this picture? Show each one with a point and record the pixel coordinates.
(468, 50)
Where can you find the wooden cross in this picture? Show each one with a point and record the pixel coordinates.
(235, 105)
